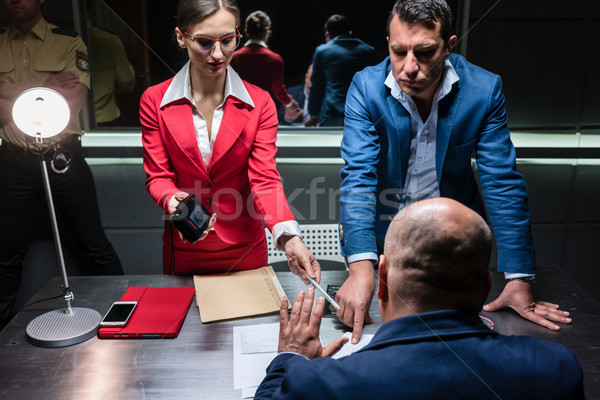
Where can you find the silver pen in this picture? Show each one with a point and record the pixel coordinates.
(324, 293)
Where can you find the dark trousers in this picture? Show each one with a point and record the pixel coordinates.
(22, 191)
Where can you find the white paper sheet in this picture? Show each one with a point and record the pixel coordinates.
(249, 392)
(351, 348)
(255, 346)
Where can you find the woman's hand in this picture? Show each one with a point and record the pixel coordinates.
(174, 202)
(300, 260)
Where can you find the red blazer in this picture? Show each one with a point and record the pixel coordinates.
(262, 67)
(241, 184)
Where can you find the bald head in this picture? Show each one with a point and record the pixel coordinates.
(437, 253)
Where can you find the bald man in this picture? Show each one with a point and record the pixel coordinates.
(433, 281)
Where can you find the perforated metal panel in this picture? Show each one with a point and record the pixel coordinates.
(322, 240)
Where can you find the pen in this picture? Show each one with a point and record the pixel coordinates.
(324, 293)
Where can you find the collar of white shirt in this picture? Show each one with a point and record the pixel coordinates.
(450, 78)
(255, 41)
(181, 87)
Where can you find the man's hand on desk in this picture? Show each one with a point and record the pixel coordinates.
(354, 297)
(301, 334)
(300, 260)
(519, 296)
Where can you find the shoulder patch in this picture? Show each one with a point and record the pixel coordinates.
(66, 32)
(81, 60)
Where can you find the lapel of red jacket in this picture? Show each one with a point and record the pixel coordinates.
(235, 117)
(179, 121)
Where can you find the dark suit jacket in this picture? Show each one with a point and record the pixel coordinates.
(334, 65)
(447, 354)
(471, 120)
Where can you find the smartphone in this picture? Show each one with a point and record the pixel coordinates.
(119, 313)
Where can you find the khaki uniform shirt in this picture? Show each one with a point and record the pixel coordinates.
(32, 58)
(109, 65)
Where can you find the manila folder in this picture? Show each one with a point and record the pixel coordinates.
(238, 294)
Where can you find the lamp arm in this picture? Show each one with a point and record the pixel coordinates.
(59, 252)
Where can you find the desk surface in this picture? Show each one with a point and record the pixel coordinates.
(199, 363)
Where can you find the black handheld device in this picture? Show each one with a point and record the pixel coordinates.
(190, 218)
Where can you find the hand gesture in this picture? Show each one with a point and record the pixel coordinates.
(354, 297)
(519, 296)
(301, 334)
(300, 260)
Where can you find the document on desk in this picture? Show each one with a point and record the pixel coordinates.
(238, 294)
(255, 346)
(351, 348)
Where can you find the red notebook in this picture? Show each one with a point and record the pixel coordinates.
(159, 313)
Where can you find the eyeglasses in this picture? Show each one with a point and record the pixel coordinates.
(206, 43)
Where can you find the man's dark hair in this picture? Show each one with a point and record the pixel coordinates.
(337, 25)
(415, 11)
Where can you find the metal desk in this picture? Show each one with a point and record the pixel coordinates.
(199, 363)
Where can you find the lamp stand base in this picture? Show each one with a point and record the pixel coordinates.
(63, 327)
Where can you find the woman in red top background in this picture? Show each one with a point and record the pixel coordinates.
(207, 132)
(262, 67)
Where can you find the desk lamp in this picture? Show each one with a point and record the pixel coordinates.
(43, 113)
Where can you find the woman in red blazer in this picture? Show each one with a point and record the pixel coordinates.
(207, 132)
(262, 67)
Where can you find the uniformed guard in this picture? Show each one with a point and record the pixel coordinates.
(111, 70)
(35, 53)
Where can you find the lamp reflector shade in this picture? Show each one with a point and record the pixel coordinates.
(41, 112)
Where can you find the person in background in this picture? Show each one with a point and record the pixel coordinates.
(300, 94)
(111, 71)
(433, 280)
(36, 53)
(334, 65)
(208, 133)
(412, 124)
(260, 66)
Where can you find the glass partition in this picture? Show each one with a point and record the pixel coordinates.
(549, 79)
(146, 31)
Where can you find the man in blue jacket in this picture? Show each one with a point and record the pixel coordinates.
(433, 280)
(412, 124)
(334, 64)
